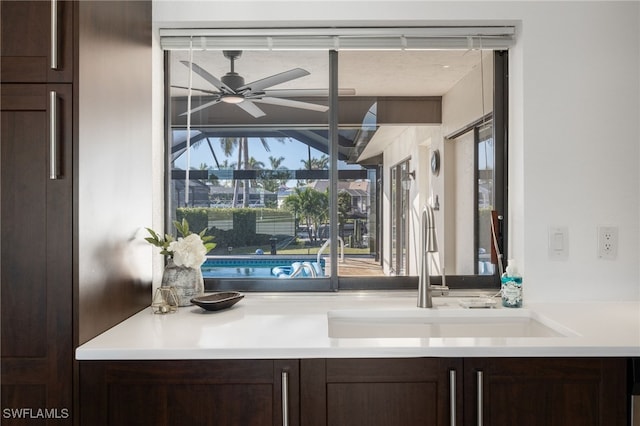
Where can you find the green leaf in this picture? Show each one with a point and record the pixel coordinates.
(182, 227)
(153, 241)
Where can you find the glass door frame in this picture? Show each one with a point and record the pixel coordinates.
(399, 218)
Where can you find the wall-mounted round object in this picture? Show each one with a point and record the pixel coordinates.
(435, 162)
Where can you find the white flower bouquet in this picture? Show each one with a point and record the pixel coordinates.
(189, 250)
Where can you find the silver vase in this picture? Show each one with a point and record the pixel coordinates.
(188, 282)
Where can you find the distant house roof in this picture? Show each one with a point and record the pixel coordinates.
(353, 188)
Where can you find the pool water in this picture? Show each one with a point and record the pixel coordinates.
(258, 266)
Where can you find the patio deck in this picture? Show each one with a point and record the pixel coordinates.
(359, 266)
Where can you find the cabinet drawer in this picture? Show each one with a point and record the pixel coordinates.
(37, 41)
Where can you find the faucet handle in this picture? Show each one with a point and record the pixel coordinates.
(441, 290)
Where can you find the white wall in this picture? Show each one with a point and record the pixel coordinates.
(574, 120)
(464, 104)
(466, 101)
(579, 148)
(411, 144)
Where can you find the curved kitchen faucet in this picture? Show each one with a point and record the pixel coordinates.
(429, 245)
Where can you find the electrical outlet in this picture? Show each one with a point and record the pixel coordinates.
(607, 242)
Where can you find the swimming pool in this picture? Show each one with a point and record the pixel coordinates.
(255, 266)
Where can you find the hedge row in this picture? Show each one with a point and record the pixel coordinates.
(244, 225)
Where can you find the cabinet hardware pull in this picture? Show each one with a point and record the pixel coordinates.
(480, 396)
(452, 396)
(54, 34)
(285, 398)
(53, 135)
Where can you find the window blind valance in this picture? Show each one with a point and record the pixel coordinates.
(411, 38)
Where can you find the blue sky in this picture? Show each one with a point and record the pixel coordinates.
(292, 151)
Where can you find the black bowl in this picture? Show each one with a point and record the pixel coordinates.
(218, 301)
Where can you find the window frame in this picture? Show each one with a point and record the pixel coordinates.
(335, 282)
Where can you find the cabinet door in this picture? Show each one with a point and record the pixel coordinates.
(220, 393)
(545, 391)
(36, 221)
(381, 392)
(37, 41)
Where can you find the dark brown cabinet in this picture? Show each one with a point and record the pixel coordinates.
(36, 323)
(37, 41)
(37, 211)
(470, 391)
(220, 393)
(380, 392)
(41, 47)
(549, 392)
(338, 392)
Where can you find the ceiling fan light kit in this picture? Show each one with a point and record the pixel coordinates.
(231, 99)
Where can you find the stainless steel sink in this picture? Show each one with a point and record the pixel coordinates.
(442, 323)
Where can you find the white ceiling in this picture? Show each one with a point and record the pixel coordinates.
(370, 73)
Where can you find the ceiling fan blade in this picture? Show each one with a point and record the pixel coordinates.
(211, 92)
(201, 107)
(207, 76)
(293, 104)
(251, 108)
(283, 77)
(292, 93)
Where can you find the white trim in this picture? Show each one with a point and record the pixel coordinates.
(409, 38)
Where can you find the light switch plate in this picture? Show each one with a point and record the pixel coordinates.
(558, 243)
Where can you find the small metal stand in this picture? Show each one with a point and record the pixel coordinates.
(165, 300)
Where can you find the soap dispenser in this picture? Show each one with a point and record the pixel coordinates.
(511, 286)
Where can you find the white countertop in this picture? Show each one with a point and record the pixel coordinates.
(278, 326)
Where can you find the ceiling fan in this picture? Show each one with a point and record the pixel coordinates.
(232, 89)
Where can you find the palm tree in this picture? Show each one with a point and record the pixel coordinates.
(254, 164)
(316, 163)
(344, 208)
(278, 177)
(226, 165)
(228, 145)
(275, 162)
(312, 205)
(292, 204)
(321, 163)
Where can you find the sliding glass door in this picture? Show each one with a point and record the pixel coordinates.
(399, 210)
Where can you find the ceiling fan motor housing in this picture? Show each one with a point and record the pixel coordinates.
(232, 54)
(233, 80)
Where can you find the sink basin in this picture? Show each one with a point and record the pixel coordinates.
(455, 323)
